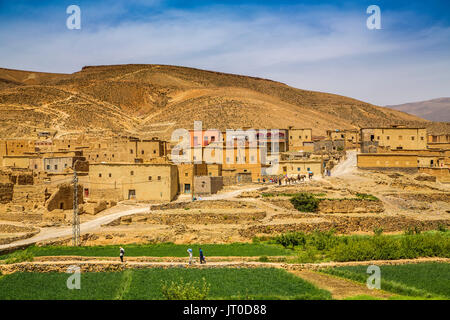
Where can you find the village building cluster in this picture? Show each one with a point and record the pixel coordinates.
(399, 148)
(40, 171)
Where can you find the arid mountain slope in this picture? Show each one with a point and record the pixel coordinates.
(153, 100)
(434, 110)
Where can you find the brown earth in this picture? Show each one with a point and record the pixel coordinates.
(152, 100)
(338, 287)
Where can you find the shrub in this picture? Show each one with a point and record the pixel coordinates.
(365, 196)
(378, 231)
(441, 227)
(263, 259)
(181, 290)
(19, 256)
(305, 202)
(292, 239)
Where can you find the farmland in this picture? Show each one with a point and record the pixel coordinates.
(426, 280)
(260, 283)
(162, 250)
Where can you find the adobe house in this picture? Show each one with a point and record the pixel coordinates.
(133, 181)
(394, 138)
(441, 141)
(351, 137)
(125, 149)
(187, 173)
(298, 166)
(329, 146)
(206, 185)
(15, 147)
(388, 162)
(298, 139)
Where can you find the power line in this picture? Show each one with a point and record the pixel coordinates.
(76, 218)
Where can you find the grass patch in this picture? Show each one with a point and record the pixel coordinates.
(426, 280)
(258, 283)
(52, 286)
(158, 250)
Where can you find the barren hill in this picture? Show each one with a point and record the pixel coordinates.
(153, 100)
(434, 110)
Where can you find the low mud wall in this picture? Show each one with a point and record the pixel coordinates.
(350, 206)
(189, 218)
(346, 225)
(335, 205)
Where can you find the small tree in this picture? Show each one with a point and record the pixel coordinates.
(305, 202)
(181, 290)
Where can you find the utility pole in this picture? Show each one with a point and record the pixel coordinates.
(76, 218)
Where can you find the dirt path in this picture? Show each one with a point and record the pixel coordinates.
(346, 167)
(339, 288)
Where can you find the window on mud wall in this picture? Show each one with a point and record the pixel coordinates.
(86, 192)
(61, 205)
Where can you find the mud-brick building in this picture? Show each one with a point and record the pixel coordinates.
(15, 147)
(20, 161)
(388, 162)
(351, 137)
(393, 138)
(125, 149)
(299, 139)
(206, 185)
(329, 146)
(186, 174)
(440, 141)
(133, 181)
(300, 167)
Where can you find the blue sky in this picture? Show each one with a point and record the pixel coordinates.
(316, 45)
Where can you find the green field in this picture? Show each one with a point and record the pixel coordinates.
(428, 280)
(261, 283)
(162, 250)
(326, 246)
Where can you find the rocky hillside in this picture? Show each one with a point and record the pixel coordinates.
(434, 110)
(153, 100)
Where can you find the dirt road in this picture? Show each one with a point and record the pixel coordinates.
(106, 217)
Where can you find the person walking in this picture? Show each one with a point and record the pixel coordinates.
(121, 254)
(202, 257)
(190, 255)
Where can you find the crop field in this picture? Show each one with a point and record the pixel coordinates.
(259, 283)
(428, 280)
(162, 250)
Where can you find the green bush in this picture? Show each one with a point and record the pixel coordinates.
(305, 202)
(377, 231)
(263, 259)
(292, 239)
(19, 256)
(442, 228)
(181, 290)
(365, 196)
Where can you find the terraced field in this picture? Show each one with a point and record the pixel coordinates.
(259, 283)
(425, 280)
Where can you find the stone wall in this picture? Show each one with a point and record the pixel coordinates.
(62, 198)
(350, 206)
(6, 192)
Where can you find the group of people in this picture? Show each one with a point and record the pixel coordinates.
(201, 255)
(288, 180)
